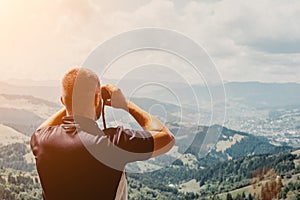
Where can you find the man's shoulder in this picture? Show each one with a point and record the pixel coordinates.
(43, 130)
(130, 139)
(120, 130)
(41, 133)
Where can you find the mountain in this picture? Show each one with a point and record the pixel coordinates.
(50, 93)
(18, 184)
(18, 116)
(233, 154)
(253, 94)
(256, 94)
(205, 161)
(40, 107)
(11, 136)
(208, 144)
(29, 82)
(216, 143)
(25, 113)
(203, 146)
(168, 112)
(264, 95)
(257, 175)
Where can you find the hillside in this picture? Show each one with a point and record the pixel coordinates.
(25, 113)
(250, 173)
(237, 177)
(11, 136)
(51, 93)
(202, 147)
(184, 179)
(205, 161)
(40, 107)
(264, 95)
(15, 184)
(265, 109)
(15, 150)
(217, 143)
(254, 94)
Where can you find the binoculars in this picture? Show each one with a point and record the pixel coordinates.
(105, 94)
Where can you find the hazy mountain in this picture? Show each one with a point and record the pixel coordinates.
(50, 93)
(202, 146)
(29, 82)
(40, 107)
(216, 143)
(11, 136)
(199, 149)
(264, 95)
(256, 94)
(18, 116)
(169, 112)
(25, 113)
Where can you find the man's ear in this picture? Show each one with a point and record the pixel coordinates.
(62, 101)
(97, 99)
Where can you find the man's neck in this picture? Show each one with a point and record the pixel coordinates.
(70, 113)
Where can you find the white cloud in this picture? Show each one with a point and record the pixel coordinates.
(249, 40)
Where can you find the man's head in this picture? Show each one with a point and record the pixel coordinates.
(81, 94)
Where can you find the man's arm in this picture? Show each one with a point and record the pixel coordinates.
(163, 138)
(55, 119)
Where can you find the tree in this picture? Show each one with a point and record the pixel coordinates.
(239, 197)
(243, 195)
(250, 197)
(229, 197)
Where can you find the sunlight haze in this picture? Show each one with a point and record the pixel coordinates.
(248, 41)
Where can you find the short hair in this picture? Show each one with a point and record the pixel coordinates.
(79, 83)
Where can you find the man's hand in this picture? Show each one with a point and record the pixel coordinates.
(163, 138)
(113, 96)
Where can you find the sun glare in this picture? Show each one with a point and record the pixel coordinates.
(3, 2)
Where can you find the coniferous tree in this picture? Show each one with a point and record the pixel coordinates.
(229, 197)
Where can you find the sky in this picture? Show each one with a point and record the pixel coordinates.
(256, 40)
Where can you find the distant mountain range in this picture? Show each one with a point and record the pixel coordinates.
(202, 147)
(25, 113)
(50, 93)
(210, 145)
(195, 159)
(255, 94)
(252, 94)
(264, 95)
(215, 143)
(230, 144)
(10, 136)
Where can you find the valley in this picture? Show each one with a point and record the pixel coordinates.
(245, 156)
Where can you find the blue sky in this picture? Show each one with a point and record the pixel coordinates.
(256, 40)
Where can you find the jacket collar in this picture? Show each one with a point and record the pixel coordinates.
(77, 123)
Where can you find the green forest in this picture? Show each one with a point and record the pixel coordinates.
(264, 176)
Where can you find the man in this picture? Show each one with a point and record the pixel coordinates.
(77, 160)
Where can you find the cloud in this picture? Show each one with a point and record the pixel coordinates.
(251, 40)
(280, 45)
(248, 40)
